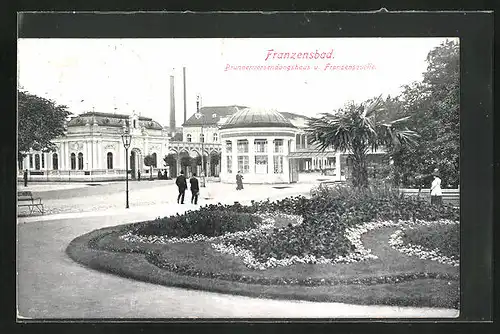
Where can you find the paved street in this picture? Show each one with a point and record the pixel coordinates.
(50, 285)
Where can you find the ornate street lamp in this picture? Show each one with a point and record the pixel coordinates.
(126, 138)
(198, 116)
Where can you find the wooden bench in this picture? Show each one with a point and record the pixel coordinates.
(450, 196)
(26, 199)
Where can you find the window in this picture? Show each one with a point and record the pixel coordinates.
(229, 164)
(260, 145)
(216, 137)
(202, 138)
(109, 159)
(55, 162)
(37, 161)
(278, 164)
(303, 141)
(188, 138)
(31, 160)
(261, 164)
(229, 146)
(242, 146)
(243, 165)
(278, 146)
(154, 160)
(135, 124)
(73, 161)
(43, 160)
(80, 161)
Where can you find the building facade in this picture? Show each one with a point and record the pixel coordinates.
(257, 143)
(92, 149)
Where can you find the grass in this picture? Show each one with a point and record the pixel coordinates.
(190, 266)
(446, 238)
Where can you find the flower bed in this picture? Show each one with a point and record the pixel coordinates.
(324, 229)
(208, 221)
(439, 243)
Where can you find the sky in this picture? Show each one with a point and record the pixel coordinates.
(127, 75)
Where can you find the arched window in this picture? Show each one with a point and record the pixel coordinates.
(55, 162)
(80, 161)
(188, 137)
(154, 160)
(73, 161)
(37, 161)
(202, 138)
(216, 137)
(109, 159)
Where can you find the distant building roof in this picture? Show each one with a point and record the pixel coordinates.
(109, 119)
(212, 115)
(257, 117)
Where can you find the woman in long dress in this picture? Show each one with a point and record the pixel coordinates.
(239, 181)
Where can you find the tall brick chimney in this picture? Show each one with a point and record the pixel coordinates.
(184, 80)
(172, 104)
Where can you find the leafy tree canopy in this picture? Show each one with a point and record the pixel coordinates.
(40, 121)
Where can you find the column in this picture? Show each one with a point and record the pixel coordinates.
(337, 166)
(234, 143)
(64, 156)
(251, 155)
(121, 157)
(178, 164)
(99, 156)
(94, 153)
(270, 155)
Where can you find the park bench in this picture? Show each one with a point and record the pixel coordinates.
(26, 199)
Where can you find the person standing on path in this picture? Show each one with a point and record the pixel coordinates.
(436, 193)
(239, 181)
(25, 177)
(195, 189)
(182, 185)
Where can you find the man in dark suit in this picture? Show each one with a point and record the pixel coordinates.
(195, 189)
(182, 185)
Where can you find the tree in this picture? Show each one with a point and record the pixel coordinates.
(149, 161)
(356, 130)
(40, 121)
(171, 161)
(434, 107)
(215, 158)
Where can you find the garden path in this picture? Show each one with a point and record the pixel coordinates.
(378, 241)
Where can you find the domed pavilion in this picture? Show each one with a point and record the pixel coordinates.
(257, 142)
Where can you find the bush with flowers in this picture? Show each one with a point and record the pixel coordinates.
(211, 221)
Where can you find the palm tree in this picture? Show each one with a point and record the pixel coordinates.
(356, 130)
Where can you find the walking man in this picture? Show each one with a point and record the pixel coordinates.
(182, 185)
(195, 189)
(25, 177)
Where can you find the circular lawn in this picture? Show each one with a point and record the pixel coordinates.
(327, 248)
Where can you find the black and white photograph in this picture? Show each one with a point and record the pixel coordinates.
(215, 178)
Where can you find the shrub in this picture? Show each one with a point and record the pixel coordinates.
(206, 222)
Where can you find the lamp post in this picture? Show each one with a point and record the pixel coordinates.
(126, 138)
(198, 116)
